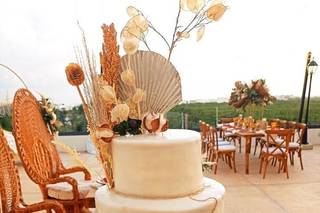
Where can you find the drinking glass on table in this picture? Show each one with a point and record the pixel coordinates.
(274, 125)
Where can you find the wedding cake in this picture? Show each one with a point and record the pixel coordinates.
(157, 166)
(159, 173)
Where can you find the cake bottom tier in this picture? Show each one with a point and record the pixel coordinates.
(208, 200)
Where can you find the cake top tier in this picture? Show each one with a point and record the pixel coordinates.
(171, 135)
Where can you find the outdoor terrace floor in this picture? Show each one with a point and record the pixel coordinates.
(244, 193)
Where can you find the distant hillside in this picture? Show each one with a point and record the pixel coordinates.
(224, 99)
(284, 108)
(74, 121)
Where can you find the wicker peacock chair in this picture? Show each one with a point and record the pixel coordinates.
(11, 197)
(41, 159)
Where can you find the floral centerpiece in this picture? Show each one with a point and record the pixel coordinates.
(245, 95)
(49, 115)
(130, 94)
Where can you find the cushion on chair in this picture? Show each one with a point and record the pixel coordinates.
(63, 191)
(223, 143)
(227, 148)
(294, 145)
(227, 134)
(278, 151)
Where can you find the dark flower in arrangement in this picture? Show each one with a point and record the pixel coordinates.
(120, 128)
(130, 126)
(134, 126)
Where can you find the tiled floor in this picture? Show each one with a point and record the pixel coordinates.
(244, 193)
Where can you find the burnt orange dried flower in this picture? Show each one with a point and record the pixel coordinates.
(74, 74)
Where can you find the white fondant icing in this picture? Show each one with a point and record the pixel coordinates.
(202, 202)
(165, 165)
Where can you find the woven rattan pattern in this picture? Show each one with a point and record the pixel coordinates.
(38, 154)
(11, 197)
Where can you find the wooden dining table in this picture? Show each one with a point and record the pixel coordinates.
(248, 135)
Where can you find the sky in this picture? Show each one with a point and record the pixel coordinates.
(254, 39)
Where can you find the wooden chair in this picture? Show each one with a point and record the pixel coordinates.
(229, 136)
(261, 142)
(203, 133)
(215, 151)
(295, 144)
(277, 147)
(283, 124)
(11, 197)
(226, 120)
(261, 125)
(291, 124)
(41, 159)
(276, 121)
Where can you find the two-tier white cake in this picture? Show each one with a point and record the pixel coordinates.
(159, 173)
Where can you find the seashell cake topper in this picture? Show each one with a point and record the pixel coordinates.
(155, 75)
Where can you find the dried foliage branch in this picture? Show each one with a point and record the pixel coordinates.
(15, 73)
(156, 31)
(97, 110)
(138, 24)
(173, 41)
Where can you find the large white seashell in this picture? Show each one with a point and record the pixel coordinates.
(157, 77)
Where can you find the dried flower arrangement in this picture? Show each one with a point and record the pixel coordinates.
(131, 93)
(255, 94)
(49, 116)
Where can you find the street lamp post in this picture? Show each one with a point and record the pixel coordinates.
(312, 67)
(304, 88)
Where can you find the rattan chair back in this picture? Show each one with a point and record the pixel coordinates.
(37, 153)
(9, 179)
